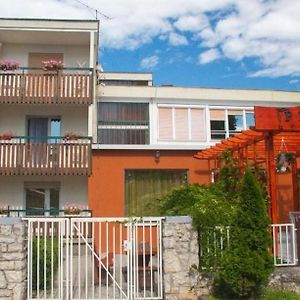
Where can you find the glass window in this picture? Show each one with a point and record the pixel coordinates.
(217, 129)
(35, 201)
(40, 200)
(235, 124)
(123, 123)
(217, 124)
(250, 119)
(144, 187)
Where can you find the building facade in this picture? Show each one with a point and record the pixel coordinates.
(111, 142)
(46, 96)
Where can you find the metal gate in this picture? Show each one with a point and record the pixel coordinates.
(94, 258)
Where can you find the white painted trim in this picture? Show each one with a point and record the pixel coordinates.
(181, 105)
(226, 124)
(133, 127)
(92, 49)
(231, 107)
(168, 146)
(207, 118)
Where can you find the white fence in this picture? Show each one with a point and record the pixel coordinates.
(94, 258)
(284, 243)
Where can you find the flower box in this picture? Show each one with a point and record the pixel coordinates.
(52, 65)
(9, 65)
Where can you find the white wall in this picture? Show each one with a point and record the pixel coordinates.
(73, 118)
(73, 189)
(74, 56)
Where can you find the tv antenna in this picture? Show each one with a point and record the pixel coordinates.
(96, 11)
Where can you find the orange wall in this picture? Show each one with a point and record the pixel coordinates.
(106, 188)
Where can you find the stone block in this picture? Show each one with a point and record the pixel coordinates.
(15, 247)
(19, 229)
(7, 265)
(5, 293)
(14, 276)
(5, 229)
(3, 281)
(19, 292)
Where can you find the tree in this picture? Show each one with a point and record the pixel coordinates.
(246, 265)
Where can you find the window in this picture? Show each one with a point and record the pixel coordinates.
(235, 121)
(249, 119)
(228, 122)
(39, 200)
(217, 124)
(144, 187)
(123, 123)
(181, 124)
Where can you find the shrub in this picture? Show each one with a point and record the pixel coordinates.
(246, 264)
(41, 261)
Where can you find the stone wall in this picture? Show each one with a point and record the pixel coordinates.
(180, 255)
(286, 278)
(12, 259)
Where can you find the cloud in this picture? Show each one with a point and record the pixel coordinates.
(176, 39)
(267, 31)
(294, 81)
(209, 56)
(149, 62)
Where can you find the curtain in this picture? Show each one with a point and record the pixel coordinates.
(143, 188)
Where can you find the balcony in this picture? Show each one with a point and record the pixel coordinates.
(45, 156)
(36, 86)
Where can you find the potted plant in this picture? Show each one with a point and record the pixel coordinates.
(9, 65)
(6, 136)
(71, 136)
(3, 211)
(72, 209)
(52, 65)
(284, 161)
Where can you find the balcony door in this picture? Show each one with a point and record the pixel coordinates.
(40, 128)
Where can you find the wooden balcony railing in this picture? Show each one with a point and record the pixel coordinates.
(47, 156)
(35, 86)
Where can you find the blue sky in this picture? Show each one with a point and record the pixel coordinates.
(212, 43)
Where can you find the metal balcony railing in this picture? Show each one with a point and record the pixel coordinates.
(37, 86)
(45, 156)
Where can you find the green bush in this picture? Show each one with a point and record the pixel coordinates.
(41, 261)
(246, 265)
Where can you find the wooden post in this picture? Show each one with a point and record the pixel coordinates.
(295, 185)
(271, 172)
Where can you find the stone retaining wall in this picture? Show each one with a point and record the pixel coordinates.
(180, 255)
(12, 259)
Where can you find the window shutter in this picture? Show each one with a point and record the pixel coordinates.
(165, 123)
(181, 124)
(198, 124)
(217, 114)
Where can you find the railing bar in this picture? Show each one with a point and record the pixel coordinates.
(287, 245)
(79, 259)
(281, 245)
(151, 257)
(38, 260)
(107, 239)
(144, 260)
(114, 259)
(45, 259)
(86, 260)
(93, 260)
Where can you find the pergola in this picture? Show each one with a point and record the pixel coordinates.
(275, 129)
